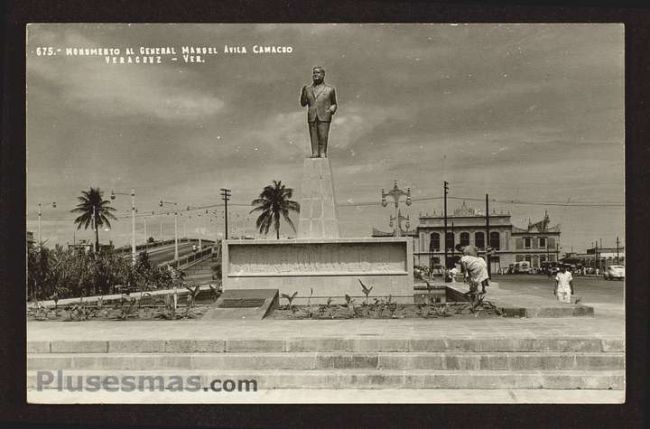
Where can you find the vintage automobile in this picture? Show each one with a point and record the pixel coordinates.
(615, 272)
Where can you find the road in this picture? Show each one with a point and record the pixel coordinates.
(591, 289)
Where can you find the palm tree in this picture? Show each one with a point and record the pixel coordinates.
(95, 212)
(273, 202)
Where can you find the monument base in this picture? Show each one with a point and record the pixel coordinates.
(317, 202)
(320, 269)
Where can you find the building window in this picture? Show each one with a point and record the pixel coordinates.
(450, 242)
(464, 238)
(479, 240)
(542, 242)
(519, 258)
(495, 240)
(542, 258)
(527, 241)
(527, 258)
(434, 243)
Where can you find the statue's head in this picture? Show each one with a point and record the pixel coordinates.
(318, 74)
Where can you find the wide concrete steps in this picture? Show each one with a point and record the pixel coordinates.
(354, 362)
(439, 361)
(370, 343)
(357, 379)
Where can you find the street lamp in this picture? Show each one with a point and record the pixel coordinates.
(395, 194)
(53, 203)
(175, 226)
(113, 194)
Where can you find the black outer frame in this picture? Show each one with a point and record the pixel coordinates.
(13, 407)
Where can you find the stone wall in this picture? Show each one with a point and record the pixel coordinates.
(331, 268)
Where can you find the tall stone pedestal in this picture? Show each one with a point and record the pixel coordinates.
(317, 204)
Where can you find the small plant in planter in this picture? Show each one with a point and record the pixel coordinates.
(423, 310)
(378, 307)
(80, 311)
(310, 311)
(128, 308)
(392, 307)
(215, 292)
(323, 308)
(41, 311)
(55, 298)
(349, 302)
(290, 298)
(191, 298)
(169, 308)
(366, 291)
(441, 310)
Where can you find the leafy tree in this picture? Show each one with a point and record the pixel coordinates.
(95, 212)
(274, 202)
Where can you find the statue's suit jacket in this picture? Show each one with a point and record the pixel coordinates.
(319, 102)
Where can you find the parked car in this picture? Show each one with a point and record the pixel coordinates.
(615, 272)
(521, 267)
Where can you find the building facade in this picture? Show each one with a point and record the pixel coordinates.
(536, 243)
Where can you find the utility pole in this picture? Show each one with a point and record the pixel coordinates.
(225, 195)
(453, 241)
(175, 225)
(146, 242)
(488, 248)
(603, 264)
(596, 254)
(95, 228)
(617, 248)
(133, 251)
(444, 240)
(39, 219)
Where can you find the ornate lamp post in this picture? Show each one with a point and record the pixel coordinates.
(53, 203)
(396, 221)
(132, 194)
(175, 225)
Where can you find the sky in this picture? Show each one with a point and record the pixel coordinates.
(528, 113)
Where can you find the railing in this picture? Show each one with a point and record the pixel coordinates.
(147, 246)
(189, 260)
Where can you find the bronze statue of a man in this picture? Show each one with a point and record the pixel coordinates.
(321, 99)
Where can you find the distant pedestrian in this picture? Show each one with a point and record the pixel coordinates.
(452, 274)
(563, 285)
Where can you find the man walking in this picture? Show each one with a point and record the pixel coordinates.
(563, 285)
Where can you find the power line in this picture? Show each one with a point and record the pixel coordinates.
(512, 202)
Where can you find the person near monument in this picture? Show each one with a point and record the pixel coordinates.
(563, 285)
(321, 101)
(475, 269)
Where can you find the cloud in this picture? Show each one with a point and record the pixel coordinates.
(90, 86)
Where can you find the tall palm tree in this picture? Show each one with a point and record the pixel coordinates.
(95, 212)
(273, 202)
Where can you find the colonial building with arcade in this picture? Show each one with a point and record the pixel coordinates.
(536, 243)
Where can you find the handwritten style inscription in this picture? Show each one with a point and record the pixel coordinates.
(317, 258)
